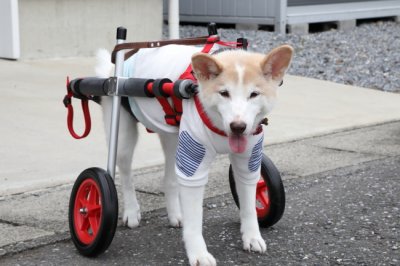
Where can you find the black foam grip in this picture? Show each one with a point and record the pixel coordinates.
(177, 92)
(121, 33)
(90, 86)
(157, 87)
(136, 87)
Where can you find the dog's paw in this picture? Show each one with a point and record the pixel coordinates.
(202, 259)
(175, 221)
(131, 218)
(254, 243)
(174, 212)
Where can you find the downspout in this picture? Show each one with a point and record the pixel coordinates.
(173, 19)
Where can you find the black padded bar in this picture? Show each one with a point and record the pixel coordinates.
(157, 87)
(177, 88)
(136, 87)
(89, 87)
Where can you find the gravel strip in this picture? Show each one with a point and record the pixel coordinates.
(368, 56)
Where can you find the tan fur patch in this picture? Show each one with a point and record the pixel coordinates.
(252, 73)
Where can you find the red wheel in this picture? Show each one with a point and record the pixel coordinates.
(263, 202)
(93, 211)
(270, 194)
(87, 211)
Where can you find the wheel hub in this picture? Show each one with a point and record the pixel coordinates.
(88, 210)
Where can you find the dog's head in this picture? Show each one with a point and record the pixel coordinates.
(238, 88)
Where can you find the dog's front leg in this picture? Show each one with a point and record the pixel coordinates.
(246, 184)
(192, 208)
(251, 236)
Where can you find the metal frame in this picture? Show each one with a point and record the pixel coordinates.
(116, 106)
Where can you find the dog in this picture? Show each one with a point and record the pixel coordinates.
(236, 90)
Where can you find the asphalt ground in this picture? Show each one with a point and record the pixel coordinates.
(343, 208)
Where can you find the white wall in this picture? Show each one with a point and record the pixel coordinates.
(9, 30)
(60, 28)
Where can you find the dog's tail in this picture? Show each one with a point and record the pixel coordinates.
(103, 65)
(103, 68)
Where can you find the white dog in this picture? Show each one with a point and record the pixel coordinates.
(237, 89)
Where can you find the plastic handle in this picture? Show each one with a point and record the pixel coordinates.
(121, 33)
(212, 29)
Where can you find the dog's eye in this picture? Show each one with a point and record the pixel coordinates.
(224, 93)
(254, 94)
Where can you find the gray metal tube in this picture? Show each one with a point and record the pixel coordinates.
(116, 106)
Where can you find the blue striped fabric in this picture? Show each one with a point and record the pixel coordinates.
(189, 154)
(256, 155)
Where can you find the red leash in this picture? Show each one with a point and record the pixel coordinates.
(70, 116)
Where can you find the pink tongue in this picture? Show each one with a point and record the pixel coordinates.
(237, 143)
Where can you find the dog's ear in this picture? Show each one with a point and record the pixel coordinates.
(205, 67)
(275, 64)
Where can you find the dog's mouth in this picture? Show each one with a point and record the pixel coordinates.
(237, 143)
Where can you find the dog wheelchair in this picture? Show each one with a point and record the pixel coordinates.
(93, 206)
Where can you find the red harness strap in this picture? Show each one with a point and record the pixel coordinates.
(173, 113)
(206, 49)
(206, 120)
(70, 116)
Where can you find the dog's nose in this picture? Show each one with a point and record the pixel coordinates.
(238, 127)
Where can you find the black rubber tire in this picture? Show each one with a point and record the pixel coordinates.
(109, 214)
(273, 180)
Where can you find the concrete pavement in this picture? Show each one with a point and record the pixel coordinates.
(40, 160)
(37, 150)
